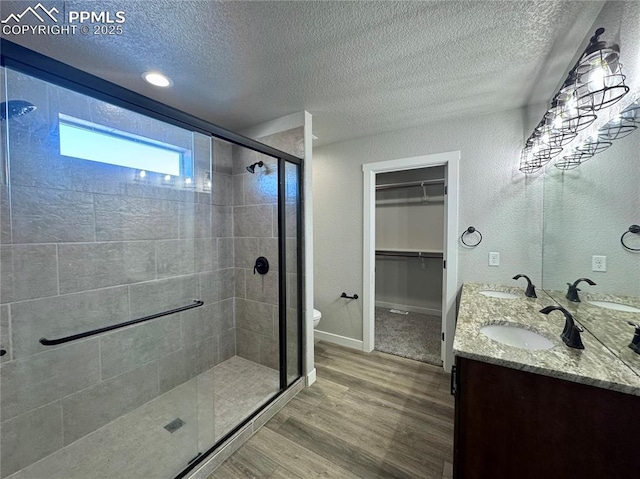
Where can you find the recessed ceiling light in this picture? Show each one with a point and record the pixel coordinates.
(157, 79)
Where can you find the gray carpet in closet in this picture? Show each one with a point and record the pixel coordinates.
(414, 336)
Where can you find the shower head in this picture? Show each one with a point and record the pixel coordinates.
(251, 168)
(14, 108)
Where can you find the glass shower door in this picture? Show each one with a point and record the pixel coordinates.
(107, 269)
(248, 380)
(139, 323)
(294, 267)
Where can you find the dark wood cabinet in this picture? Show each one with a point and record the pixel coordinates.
(514, 424)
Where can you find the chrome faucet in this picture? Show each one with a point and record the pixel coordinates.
(531, 289)
(571, 332)
(572, 292)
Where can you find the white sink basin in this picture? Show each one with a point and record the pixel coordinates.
(499, 294)
(615, 306)
(516, 336)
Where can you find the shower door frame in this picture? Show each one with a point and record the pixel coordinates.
(39, 66)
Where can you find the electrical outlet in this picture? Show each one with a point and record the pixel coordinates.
(599, 263)
(494, 259)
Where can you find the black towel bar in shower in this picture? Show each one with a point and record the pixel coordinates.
(54, 342)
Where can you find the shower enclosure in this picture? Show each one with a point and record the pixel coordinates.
(137, 333)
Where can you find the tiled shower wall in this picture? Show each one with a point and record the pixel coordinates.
(256, 234)
(84, 246)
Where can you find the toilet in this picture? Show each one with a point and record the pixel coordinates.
(316, 318)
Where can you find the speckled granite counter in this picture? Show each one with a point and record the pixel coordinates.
(609, 326)
(595, 365)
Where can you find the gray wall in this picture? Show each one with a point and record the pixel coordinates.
(403, 219)
(256, 234)
(494, 197)
(84, 246)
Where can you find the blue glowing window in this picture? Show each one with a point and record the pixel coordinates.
(93, 142)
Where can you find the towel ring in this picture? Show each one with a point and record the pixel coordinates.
(470, 230)
(632, 229)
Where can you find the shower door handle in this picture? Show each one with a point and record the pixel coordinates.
(54, 342)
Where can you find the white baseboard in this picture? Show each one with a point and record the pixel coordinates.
(311, 377)
(337, 339)
(411, 309)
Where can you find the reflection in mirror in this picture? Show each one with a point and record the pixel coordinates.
(589, 208)
(586, 211)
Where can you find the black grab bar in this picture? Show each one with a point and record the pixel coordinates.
(345, 295)
(54, 342)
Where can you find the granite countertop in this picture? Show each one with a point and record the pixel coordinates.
(609, 326)
(595, 365)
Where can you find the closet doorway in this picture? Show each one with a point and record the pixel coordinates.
(410, 260)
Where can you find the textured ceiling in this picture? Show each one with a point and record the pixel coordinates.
(359, 67)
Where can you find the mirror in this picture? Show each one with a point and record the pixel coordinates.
(588, 209)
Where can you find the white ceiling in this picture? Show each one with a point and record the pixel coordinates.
(360, 68)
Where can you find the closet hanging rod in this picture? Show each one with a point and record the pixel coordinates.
(410, 184)
(409, 254)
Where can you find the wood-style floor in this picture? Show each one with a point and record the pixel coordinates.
(367, 416)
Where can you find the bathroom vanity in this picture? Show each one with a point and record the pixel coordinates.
(522, 413)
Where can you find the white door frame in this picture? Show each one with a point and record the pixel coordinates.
(450, 274)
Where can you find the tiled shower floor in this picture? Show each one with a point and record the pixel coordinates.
(137, 444)
(240, 387)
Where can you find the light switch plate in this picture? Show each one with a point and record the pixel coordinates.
(599, 263)
(494, 259)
